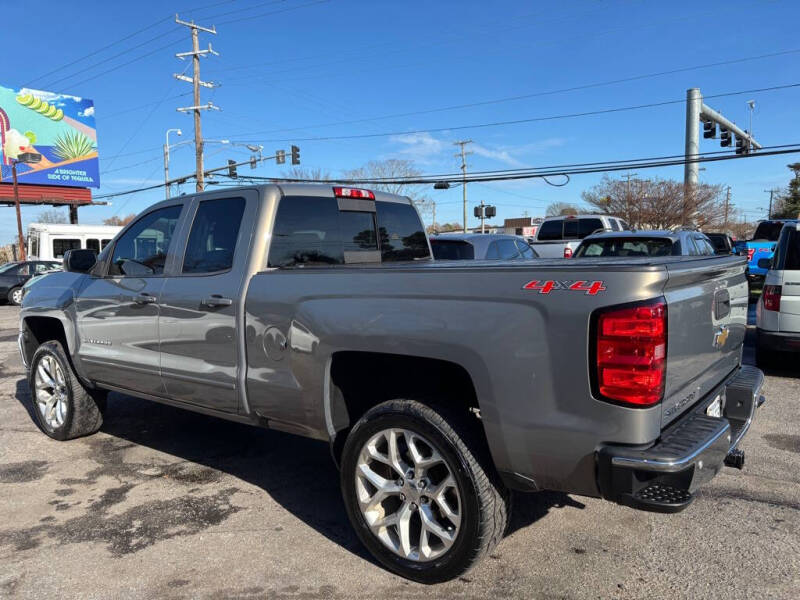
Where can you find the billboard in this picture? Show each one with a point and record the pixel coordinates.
(55, 130)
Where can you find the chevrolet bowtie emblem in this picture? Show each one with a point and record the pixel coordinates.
(721, 336)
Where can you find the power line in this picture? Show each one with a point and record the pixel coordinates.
(506, 176)
(274, 12)
(604, 111)
(540, 94)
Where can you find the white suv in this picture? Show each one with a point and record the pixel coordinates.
(778, 310)
(557, 237)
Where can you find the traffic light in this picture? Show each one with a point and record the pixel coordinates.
(295, 155)
(490, 211)
(477, 212)
(280, 157)
(709, 129)
(741, 145)
(232, 169)
(724, 136)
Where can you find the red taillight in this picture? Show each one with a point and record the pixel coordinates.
(772, 297)
(343, 192)
(631, 352)
(567, 252)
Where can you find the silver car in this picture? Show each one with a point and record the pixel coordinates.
(481, 246)
(778, 309)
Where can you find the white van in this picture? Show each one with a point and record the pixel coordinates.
(557, 237)
(778, 310)
(49, 241)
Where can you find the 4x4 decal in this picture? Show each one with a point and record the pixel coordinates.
(590, 288)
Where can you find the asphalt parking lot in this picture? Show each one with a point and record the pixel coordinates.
(164, 503)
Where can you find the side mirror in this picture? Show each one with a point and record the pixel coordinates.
(764, 263)
(79, 261)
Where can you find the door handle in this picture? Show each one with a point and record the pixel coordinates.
(216, 300)
(144, 298)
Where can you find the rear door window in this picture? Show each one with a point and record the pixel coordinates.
(615, 226)
(551, 230)
(212, 240)
(588, 227)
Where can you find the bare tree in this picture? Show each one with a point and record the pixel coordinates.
(445, 227)
(52, 215)
(558, 209)
(313, 174)
(393, 169)
(658, 203)
(115, 220)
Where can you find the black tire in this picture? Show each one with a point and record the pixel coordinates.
(84, 414)
(485, 504)
(12, 293)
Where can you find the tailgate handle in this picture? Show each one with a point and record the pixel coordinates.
(722, 304)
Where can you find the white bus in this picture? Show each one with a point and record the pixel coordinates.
(49, 241)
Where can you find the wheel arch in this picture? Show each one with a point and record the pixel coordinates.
(358, 380)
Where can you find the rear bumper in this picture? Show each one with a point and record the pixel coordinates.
(689, 453)
(773, 340)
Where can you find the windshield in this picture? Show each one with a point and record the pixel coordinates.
(452, 250)
(637, 246)
(768, 230)
(7, 267)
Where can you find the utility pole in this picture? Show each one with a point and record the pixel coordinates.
(463, 156)
(628, 198)
(19, 215)
(196, 53)
(771, 193)
(727, 206)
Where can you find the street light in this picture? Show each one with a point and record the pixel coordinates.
(24, 158)
(166, 159)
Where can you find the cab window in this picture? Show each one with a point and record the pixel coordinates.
(142, 249)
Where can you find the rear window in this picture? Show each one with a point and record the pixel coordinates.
(550, 230)
(768, 230)
(719, 241)
(588, 227)
(788, 254)
(313, 231)
(625, 247)
(402, 236)
(452, 250)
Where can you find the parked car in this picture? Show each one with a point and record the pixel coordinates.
(723, 242)
(778, 309)
(14, 275)
(645, 243)
(318, 311)
(557, 237)
(761, 246)
(480, 246)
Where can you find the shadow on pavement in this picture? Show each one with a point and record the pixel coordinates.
(298, 473)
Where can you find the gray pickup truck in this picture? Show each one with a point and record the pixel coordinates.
(440, 386)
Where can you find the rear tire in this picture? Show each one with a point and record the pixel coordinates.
(15, 296)
(450, 503)
(64, 408)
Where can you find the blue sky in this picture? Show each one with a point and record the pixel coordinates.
(299, 68)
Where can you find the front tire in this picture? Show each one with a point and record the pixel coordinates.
(64, 409)
(15, 296)
(421, 491)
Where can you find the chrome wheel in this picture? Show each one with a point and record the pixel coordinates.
(408, 495)
(51, 392)
(16, 296)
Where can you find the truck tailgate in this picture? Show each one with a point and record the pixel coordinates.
(706, 323)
